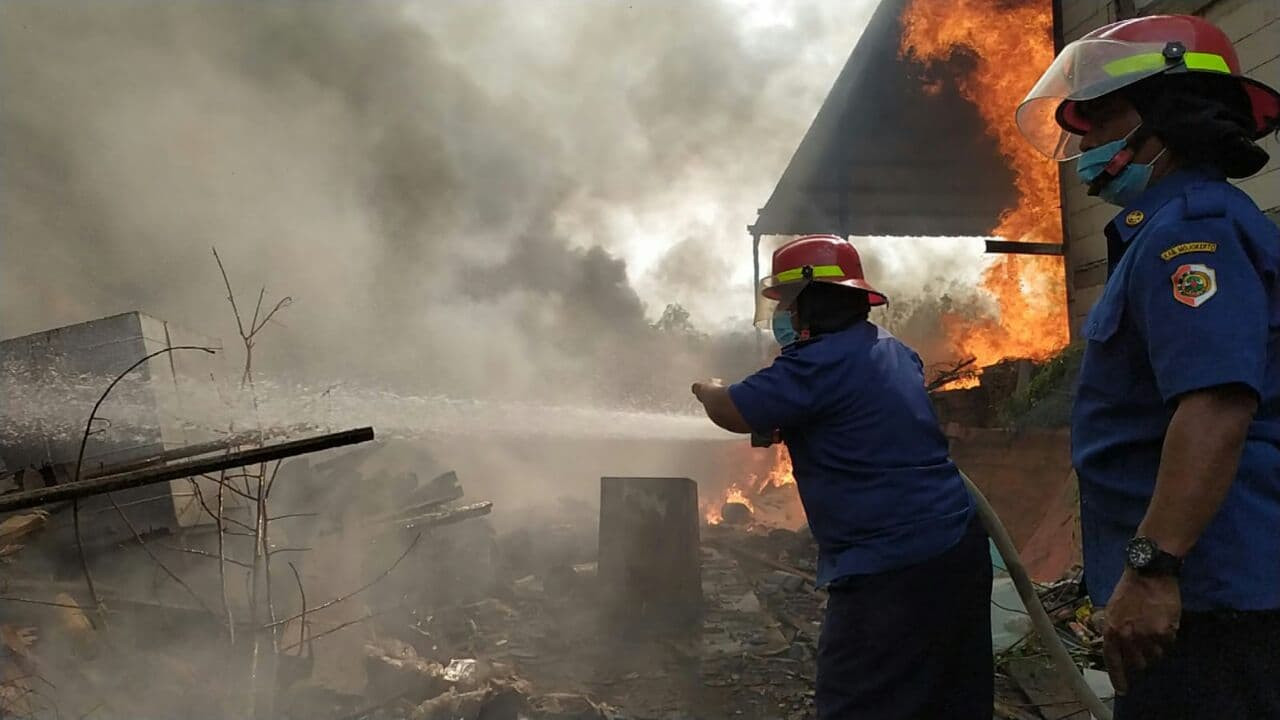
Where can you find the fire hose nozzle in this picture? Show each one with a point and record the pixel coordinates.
(764, 440)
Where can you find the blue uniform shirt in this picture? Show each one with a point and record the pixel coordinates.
(1191, 303)
(871, 464)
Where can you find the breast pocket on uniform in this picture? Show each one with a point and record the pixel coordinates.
(1108, 363)
(1104, 320)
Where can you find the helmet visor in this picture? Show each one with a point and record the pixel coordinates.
(765, 309)
(775, 296)
(1084, 70)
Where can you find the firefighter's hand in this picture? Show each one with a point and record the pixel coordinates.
(1141, 623)
(707, 384)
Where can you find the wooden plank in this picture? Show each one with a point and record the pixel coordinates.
(1047, 690)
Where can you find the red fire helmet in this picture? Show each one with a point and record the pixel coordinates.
(816, 258)
(1121, 54)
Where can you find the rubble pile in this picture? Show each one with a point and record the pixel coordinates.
(163, 633)
(418, 607)
(1028, 687)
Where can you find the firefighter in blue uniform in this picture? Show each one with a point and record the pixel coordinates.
(896, 529)
(1176, 426)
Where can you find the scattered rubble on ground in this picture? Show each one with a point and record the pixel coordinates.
(477, 625)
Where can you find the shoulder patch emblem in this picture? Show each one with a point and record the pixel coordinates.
(1184, 248)
(1135, 218)
(1193, 285)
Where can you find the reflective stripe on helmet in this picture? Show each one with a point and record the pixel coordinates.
(819, 271)
(1146, 62)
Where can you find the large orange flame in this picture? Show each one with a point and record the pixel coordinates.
(1010, 42)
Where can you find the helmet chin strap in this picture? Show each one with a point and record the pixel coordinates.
(802, 316)
(1122, 159)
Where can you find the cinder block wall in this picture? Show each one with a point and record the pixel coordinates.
(140, 419)
(1254, 27)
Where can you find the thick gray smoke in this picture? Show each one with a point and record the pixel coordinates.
(447, 190)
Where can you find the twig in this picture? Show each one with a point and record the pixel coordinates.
(238, 523)
(143, 501)
(222, 561)
(29, 601)
(285, 302)
(231, 487)
(367, 616)
(257, 308)
(272, 482)
(98, 608)
(273, 551)
(362, 588)
(960, 370)
(205, 554)
(156, 559)
(254, 325)
(292, 515)
(302, 626)
(221, 506)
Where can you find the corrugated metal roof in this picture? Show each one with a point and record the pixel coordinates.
(887, 156)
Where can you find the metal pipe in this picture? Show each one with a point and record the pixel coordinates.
(181, 453)
(199, 466)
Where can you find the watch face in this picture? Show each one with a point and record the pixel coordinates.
(1141, 552)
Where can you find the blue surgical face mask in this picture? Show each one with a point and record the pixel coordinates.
(783, 331)
(1125, 188)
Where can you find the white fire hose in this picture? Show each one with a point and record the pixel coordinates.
(1062, 661)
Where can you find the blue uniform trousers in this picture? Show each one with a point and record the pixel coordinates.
(1225, 664)
(912, 643)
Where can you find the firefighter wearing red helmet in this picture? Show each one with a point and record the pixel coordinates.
(1176, 424)
(895, 527)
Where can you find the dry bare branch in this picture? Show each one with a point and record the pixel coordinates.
(30, 601)
(222, 560)
(156, 559)
(302, 593)
(367, 616)
(945, 374)
(362, 588)
(286, 516)
(204, 554)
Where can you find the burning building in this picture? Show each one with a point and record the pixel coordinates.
(917, 138)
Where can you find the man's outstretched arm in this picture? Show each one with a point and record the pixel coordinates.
(715, 399)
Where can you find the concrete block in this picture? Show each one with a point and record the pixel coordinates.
(650, 565)
(143, 416)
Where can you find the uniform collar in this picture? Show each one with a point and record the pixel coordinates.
(1130, 220)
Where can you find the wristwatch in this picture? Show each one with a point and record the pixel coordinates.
(1146, 558)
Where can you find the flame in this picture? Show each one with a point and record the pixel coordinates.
(1010, 43)
(784, 508)
(781, 474)
(733, 493)
(963, 383)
